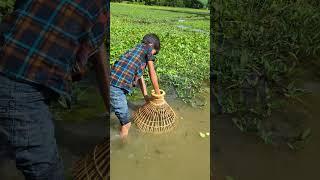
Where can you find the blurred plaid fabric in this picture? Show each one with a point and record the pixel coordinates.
(130, 66)
(46, 40)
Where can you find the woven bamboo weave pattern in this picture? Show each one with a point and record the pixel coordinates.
(156, 116)
(95, 165)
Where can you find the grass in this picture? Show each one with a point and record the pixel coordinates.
(264, 43)
(183, 62)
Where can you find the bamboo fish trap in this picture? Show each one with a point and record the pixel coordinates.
(95, 165)
(156, 116)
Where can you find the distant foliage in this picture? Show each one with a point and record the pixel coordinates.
(174, 3)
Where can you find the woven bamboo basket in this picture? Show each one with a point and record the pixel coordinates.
(95, 165)
(155, 116)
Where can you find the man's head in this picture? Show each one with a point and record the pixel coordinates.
(153, 40)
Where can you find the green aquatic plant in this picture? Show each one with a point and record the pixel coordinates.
(299, 142)
(258, 45)
(183, 62)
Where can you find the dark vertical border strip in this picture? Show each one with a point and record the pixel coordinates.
(211, 8)
(107, 43)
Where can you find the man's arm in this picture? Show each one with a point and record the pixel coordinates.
(153, 77)
(103, 74)
(93, 47)
(143, 88)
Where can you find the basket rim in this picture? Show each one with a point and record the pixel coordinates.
(161, 95)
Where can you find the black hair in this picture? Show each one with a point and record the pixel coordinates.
(152, 39)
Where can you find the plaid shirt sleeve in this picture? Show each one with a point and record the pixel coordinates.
(91, 41)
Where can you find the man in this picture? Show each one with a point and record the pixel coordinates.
(43, 44)
(127, 72)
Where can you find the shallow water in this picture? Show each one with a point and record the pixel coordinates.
(190, 28)
(246, 157)
(181, 154)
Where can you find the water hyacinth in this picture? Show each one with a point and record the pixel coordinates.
(183, 62)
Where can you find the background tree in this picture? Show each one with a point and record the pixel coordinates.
(174, 3)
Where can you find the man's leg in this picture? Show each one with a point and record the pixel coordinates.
(27, 125)
(118, 101)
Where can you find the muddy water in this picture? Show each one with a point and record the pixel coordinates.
(182, 154)
(245, 157)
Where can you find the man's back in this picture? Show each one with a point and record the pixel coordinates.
(40, 42)
(43, 38)
(130, 66)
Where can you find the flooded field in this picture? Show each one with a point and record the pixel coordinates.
(183, 63)
(181, 154)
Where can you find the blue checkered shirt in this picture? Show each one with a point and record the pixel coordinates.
(45, 40)
(130, 67)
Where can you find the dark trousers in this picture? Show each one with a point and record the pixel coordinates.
(27, 130)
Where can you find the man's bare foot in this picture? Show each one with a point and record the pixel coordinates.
(124, 130)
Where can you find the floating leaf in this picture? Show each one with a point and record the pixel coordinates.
(202, 135)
